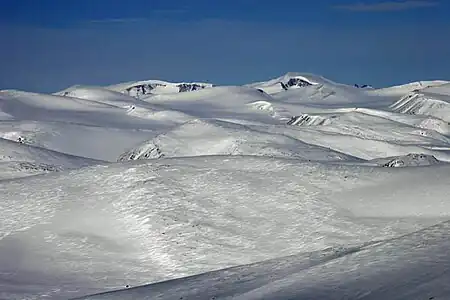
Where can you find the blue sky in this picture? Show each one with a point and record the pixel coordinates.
(51, 44)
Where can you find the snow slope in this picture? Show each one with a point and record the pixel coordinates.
(99, 125)
(403, 89)
(391, 269)
(209, 137)
(432, 102)
(18, 159)
(177, 217)
(98, 94)
(409, 160)
(298, 181)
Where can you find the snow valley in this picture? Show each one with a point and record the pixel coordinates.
(298, 187)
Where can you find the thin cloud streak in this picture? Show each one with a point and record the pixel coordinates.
(153, 13)
(118, 20)
(386, 6)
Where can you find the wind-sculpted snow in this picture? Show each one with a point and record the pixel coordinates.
(306, 188)
(177, 217)
(399, 268)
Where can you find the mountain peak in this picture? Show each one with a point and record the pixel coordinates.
(144, 88)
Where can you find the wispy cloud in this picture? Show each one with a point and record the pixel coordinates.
(157, 13)
(386, 6)
(169, 11)
(117, 20)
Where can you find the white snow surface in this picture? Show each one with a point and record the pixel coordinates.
(399, 268)
(294, 188)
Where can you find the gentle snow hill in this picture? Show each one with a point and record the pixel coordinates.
(442, 89)
(418, 121)
(237, 181)
(392, 269)
(431, 102)
(213, 137)
(166, 219)
(295, 80)
(134, 107)
(361, 145)
(17, 159)
(335, 137)
(314, 91)
(375, 125)
(143, 88)
(82, 127)
(401, 90)
(366, 135)
(95, 142)
(410, 160)
(230, 102)
(288, 81)
(99, 94)
(41, 107)
(11, 98)
(310, 89)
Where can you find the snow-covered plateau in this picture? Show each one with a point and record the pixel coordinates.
(298, 187)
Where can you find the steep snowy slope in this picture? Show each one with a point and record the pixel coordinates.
(176, 217)
(392, 269)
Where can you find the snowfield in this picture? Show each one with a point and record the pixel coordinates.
(294, 188)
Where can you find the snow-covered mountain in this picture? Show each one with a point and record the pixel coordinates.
(144, 88)
(298, 187)
(403, 89)
(206, 137)
(363, 86)
(432, 101)
(288, 81)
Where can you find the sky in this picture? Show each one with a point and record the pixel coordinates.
(49, 45)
